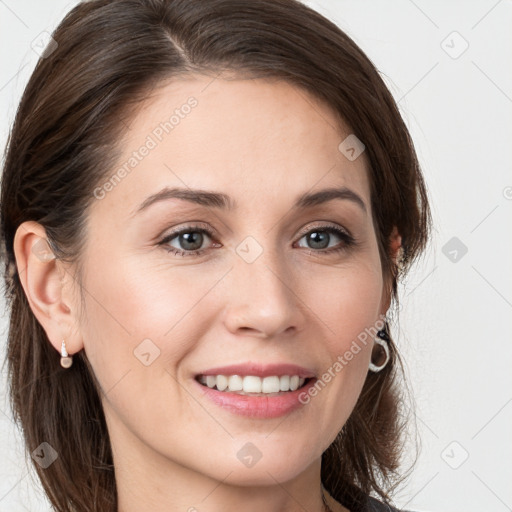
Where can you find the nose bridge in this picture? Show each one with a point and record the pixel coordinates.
(262, 296)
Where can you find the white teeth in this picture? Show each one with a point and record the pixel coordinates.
(252, 383)
(270, 385)
(236, 383)
(222, 382)
(284, 383)
(294, 382)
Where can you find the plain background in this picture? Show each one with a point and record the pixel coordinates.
(448, 64)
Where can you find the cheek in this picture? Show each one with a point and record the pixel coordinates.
(347, 300)
(134, 309)
(348, 303)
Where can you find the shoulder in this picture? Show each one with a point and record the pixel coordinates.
(358, 501)
(374, 505)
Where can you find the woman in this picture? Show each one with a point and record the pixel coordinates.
(206, 209)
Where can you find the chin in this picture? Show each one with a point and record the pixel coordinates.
(261, 468)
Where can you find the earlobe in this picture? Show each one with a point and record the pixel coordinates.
(42, 281)
(395, 244)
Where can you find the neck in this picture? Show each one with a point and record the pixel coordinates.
(180, 489)
(147, 480)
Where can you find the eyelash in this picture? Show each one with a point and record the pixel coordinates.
(347, 240)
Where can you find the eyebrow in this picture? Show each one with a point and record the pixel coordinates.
(222, 201)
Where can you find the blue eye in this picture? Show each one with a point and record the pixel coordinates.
(191, 239)
(321, 236)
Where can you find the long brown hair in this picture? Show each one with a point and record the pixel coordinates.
(64, 142)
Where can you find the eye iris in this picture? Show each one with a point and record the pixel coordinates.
(195, 238)
(319, 239)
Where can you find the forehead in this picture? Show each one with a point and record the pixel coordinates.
(255, 140)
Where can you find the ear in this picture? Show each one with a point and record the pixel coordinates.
(47, 285)
(395, 243)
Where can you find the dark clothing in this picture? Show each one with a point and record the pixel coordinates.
(361, 502)
(375, 505)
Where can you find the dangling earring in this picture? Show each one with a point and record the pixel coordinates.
(65, 360)
(381, 339)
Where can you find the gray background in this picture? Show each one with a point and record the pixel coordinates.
(457, 102)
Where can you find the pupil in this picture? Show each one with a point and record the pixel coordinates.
(319, 240)
(195, 238)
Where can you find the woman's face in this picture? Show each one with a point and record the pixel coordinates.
(259, 280)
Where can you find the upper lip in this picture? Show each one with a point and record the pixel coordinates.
(260, 370)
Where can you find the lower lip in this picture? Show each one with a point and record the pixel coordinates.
(257, 406)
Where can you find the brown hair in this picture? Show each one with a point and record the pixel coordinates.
(64, 142)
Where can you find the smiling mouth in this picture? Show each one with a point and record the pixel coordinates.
(253, 385)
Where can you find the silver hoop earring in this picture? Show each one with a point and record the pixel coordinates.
(382, 340)
(65, 359)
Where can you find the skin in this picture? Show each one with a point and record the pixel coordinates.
(263, 143)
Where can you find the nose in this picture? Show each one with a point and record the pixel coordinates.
(262, 298)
